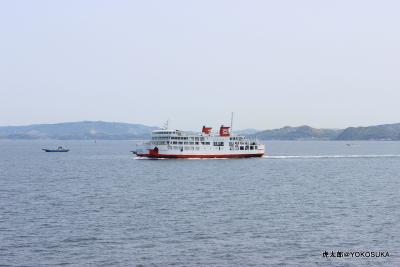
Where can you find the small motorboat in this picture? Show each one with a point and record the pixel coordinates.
(59, 149)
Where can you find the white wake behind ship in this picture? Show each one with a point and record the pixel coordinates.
(168, 143)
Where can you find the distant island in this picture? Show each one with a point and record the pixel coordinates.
(100, 130)
(379, 132)
(82, 130)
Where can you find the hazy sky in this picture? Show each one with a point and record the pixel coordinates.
(273, 63)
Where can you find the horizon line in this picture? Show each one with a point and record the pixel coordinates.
(142, 124)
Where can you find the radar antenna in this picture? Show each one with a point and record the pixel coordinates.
(165, 126)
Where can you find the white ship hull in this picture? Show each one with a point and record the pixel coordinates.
(211, 153)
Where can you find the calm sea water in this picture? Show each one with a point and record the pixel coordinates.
(98, 206)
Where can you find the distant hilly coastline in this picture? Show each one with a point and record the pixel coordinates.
(379, 132)
(389, 132)
(100, 130)
(78, 131)
(298, 133)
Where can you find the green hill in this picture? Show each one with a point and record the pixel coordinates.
(298, 133)
(378, 132)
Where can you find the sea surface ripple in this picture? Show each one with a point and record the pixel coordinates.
(97, 206)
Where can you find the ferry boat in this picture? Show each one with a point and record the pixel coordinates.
(167, 143)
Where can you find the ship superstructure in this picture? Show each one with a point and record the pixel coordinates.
(180, 144)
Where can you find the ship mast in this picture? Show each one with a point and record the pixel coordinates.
(232, 122)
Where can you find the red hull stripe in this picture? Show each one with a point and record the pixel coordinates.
(201, 156)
